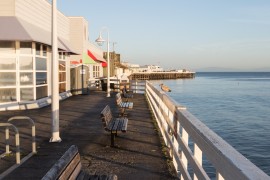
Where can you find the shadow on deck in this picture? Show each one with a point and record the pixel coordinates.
(137, 155)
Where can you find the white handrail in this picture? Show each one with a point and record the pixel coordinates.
(34, 149)
(17, 141)
(178, 126)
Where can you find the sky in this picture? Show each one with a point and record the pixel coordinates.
(181, 34)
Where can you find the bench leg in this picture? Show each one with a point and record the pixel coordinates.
(123, 112)
(112, 139)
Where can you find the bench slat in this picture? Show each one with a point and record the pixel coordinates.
(69, 167)
(124, 126)
(110, 125)
(70, 171)
(62, 164)
(115, 125)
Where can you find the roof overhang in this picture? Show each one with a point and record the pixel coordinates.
(16, 29)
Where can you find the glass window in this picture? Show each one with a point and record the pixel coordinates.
(49, 49)
(38, 48)
(41, 78)
(27, 94)
(41, 64)
(26, 63)
(62, 87)
(7, 94)
(26, 78)
(42, 92)
(62, 76)
(62, 66)
(7, 63)
(26, 47)
(7, 47)
(44, 50)
(7, 78)
(60, 55)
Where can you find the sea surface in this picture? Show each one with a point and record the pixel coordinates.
(235, 105)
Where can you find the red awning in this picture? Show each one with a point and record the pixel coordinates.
(92, 55)
(95, 57)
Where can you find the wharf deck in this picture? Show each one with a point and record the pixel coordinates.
(161, 75)
(138, 153)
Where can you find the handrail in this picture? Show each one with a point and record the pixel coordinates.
(178, 127)
(17, 140)
(34, 150)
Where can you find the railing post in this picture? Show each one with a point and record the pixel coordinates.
(136, 86)
(197, 156)
(7, 140)
(219, 176)
(34, 149)
(183, 156)
(17, 143)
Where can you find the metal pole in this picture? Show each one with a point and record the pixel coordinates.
(55, 78)
(108, 66)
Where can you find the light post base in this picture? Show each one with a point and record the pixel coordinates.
(55, 137)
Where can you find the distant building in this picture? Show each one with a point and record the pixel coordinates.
(117, 68)
(25, 52)
(146, 68)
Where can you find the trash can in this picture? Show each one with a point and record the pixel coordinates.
(112, 86)
(103, 85)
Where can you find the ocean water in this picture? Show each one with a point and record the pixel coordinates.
(236, 106)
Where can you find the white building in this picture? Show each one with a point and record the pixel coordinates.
(146, 68)
(25, 52)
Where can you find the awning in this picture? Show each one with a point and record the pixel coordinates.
(88, 60)
(16, 29)
(96, 57)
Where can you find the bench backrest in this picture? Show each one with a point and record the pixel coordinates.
(118, 98)
(106, 116)
(67, 167)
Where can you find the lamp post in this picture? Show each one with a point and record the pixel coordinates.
(100, 42)
(54, 79)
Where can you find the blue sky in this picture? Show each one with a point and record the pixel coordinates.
(178, 34)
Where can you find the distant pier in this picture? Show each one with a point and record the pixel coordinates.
(161, 75)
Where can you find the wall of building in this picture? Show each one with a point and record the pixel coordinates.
(76, 33)
(39, 14)
(7, 8)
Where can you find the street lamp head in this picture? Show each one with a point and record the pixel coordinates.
(100, 40)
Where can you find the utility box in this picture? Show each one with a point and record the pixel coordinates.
(79, 76)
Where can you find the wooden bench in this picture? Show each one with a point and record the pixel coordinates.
(69, 167)
(126, 94)
(123, 105)
(112, 124)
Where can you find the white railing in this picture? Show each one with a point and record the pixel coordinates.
(8, 125)
(137, 86)
(188, 140)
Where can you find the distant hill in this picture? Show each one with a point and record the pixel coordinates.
(218, 69)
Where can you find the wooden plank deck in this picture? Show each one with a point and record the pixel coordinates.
(138, 153)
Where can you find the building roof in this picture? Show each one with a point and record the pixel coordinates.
(14, 28)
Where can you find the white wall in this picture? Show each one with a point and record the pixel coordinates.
(38, 13)
(7, 8)
(76, 33)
